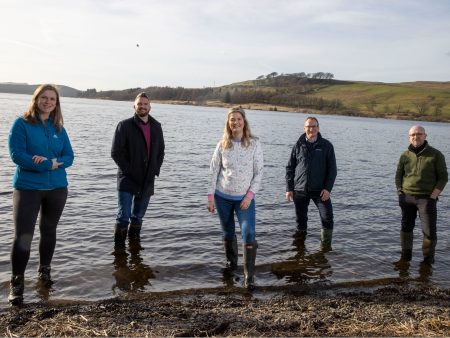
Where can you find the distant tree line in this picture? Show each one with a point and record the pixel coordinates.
(302, 101)
(284, 79)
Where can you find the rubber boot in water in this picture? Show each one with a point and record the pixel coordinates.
(134, 230)
(16, 290)
(326, 237)
(428, 249)
(249, 264)
(43, 272)
(406, 238)
(120, 235)
(231, 251)
(300, 234)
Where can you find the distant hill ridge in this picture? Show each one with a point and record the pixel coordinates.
(24, 88)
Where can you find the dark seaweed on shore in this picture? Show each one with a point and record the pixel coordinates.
(388, 311)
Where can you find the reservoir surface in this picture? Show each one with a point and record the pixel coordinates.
(180, 245)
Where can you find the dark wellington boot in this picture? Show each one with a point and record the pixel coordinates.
(120, 235)
(326, 237)
(134, 230)
(406, 238)
(231, 251)
(428, 249)
(249, 264)
(44, 273)
(300, 234)
(16, 290)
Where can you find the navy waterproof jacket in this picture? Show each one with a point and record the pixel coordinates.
(313, 170)
(136, 172)
(25, 141)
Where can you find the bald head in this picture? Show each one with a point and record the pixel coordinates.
(417, 136)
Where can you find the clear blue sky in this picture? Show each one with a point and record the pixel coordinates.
(92, 44)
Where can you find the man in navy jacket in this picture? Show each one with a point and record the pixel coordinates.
(310, 175)
(138, 150)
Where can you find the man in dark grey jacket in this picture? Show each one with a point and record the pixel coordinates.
(310, 175)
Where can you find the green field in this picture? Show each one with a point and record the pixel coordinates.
(356, 94)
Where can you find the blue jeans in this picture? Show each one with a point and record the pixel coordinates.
(226, 208)
(301, 202)
(131, 209)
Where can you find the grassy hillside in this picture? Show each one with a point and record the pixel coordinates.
(356, 94)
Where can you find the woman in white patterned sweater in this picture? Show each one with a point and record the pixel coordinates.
(234, 179)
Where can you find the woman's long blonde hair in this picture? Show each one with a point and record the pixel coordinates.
(30, 115)
(227, 135)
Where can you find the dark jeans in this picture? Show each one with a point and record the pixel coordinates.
(427, 214)
(247, 218)
(131, 209)
(301, 202)
(27, 204)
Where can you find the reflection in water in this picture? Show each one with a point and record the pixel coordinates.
(228, 277)
(131, 274)
(425, 272)
(303, 267)
(402, 266)
(44, 290)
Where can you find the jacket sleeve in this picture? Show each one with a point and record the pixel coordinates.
(17, 144)
(258, 166)
(161, 150)
(66, 153)
(214, 169)
(118, 150)
(331, 174)
(441, 172)
(399, 173)
(290, 169)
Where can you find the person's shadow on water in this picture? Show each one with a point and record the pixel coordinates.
(131, 274)
(303, 268)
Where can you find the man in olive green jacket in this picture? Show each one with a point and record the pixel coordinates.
(420, 178)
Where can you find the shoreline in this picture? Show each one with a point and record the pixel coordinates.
(399, 309)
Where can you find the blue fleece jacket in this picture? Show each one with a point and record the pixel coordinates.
(25, 141)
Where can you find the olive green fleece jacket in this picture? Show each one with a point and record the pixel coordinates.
(422, 173)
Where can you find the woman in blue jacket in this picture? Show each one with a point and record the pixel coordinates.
(39, 146)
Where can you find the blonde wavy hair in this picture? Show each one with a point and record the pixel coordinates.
(30, 115)
(227, 135)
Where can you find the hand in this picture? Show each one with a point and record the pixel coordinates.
(325, 194)
(211, 206)
(38, 159)
(289, 196)
(56, 164)
(434, 195)
(399, 191)
(245, 203)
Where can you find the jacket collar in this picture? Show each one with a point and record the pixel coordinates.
(137, 120)
(38, 118)
(424, 148)
(302, 139)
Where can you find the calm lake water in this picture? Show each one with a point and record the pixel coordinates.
(180, 244)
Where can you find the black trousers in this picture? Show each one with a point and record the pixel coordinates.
(301, 202)
(27, 204)
(427, 214)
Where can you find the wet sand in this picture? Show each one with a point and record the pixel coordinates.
(393, 310)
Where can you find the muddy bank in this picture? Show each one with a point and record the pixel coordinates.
(387, 311)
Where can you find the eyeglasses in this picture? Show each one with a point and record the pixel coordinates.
(311, 127)
(418, 134)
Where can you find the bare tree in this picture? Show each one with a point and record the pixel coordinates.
(386, 108)
(437, 111)
(422, 107)
(371, 104)
(398, 107)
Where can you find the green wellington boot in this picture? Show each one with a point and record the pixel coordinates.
(249, 264)
(134, 230)
(326, 237)
(428, 249)
(406, 239)
(231, 251)
(120, 235)
(16, 290)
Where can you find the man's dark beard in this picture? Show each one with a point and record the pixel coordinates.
(142, 113)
